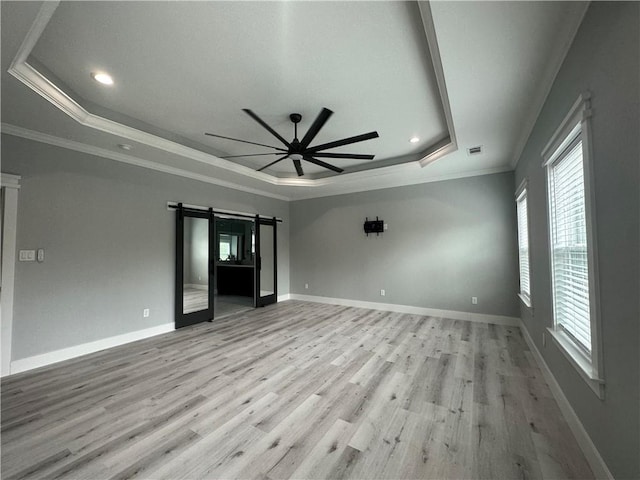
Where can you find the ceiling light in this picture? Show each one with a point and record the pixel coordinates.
(414, 139)
(103, 78)
(295, 156)
(125, 146)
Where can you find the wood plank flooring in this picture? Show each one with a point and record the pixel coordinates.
(227, 304)
(194, 299)
(294, 390)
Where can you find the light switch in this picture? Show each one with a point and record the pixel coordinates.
(27, 256)
(40, 255)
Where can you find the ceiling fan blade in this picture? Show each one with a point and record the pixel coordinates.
(298, 165)
(272, 163)
(320, 163)
(315, 127)
(244, 141)
(357, 156)
(344, 141)
(263, 123)
(251, 155)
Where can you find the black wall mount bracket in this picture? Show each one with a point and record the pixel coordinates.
(373, 226)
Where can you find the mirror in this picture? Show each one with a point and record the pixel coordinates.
(267, 248)
(195, 265)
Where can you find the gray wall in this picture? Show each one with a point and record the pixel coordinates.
(446, 242)
(109, 243)
(604, 60)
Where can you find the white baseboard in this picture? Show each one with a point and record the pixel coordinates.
(596, 462)
(284, 298)
(391, 307)
(29, 363)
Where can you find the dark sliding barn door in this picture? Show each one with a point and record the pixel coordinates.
(195, 247)
(266, 262)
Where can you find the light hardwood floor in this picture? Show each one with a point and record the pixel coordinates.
(194, 300)
(228, 304)
(294, 390)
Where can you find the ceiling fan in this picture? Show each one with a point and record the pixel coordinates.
(298, 150)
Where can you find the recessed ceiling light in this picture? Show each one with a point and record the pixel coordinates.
(125, 146)
(414, 139)
(103, 78)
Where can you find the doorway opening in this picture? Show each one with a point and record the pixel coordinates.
(235, 264)
(224, 264)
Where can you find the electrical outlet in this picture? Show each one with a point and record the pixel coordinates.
(306, 286)
(386, 226)
(27, 256)
(474, 300)
(145, 312)
(382, 293)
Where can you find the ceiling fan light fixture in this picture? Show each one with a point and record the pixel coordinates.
(102, 77)
(295, 156)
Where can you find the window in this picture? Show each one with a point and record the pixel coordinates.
(523, 244)
(572, 245)
(569, 246)
(225, 247)
(228, 247)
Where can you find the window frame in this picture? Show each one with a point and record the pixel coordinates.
(522, 192)
(577, 123)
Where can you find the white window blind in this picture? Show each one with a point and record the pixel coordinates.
(523, 244)
(569, 245)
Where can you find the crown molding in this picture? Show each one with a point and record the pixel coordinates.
(436, 61)
(403, 182)
(39, 83)
(553, 68)
(36, 81)
(398, 175)
(28, 75)
(129, 159)
(45, 13)
(357, 185)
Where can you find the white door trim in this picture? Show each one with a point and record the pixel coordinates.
(10, 186)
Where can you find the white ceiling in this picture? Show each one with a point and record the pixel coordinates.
(456, 74)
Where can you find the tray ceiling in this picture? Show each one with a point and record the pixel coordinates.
(439, 72)
(190, 67)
